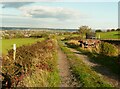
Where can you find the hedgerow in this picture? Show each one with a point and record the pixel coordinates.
(108, 49)
(29, 61)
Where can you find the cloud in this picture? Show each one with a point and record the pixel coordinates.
(14, 4)
(49, 12)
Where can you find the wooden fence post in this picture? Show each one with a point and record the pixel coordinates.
(14, 49)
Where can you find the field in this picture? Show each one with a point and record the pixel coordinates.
(8, 43)
(109, 35)
(59, 61)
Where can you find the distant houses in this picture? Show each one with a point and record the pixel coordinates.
(14, 34)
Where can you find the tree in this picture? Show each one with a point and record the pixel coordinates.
(83, 30)
(118, 29)
(112, 29)
(98, 30)
(108, 30)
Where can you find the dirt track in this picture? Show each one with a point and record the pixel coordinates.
(67, 79)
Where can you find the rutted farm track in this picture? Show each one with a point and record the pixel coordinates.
(68, 80)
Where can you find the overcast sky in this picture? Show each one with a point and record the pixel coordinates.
(97, 15)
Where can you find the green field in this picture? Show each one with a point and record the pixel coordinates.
(109, 35)
(8, 43)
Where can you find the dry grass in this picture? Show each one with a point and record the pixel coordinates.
(75, 42)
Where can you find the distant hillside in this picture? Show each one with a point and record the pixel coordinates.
(25, 28)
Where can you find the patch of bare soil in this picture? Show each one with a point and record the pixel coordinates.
(102, 71)
(67, 79)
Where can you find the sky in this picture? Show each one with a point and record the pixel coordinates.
(68, 15)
